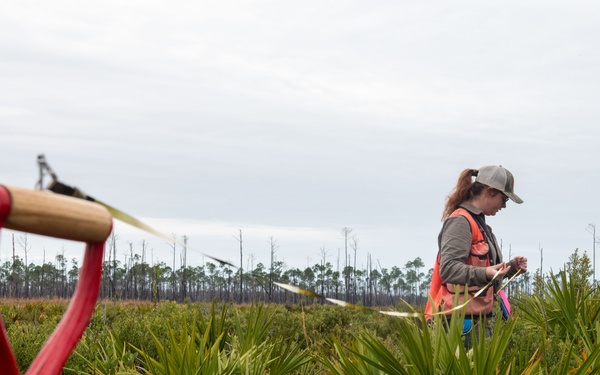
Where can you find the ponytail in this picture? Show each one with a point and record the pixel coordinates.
(465, 190)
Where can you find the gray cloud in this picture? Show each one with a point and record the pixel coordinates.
(300, 119)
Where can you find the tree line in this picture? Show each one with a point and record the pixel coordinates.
(137, 278)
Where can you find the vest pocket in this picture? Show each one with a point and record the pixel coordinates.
(483, 304)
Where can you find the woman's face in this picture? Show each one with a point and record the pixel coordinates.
(495, 201)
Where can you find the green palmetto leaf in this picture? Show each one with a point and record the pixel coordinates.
(416, 345)
(272, 357)
(425, 349)
(190, 353)
(287, 357)
(254, 361)
(488, 353)
(275, 355)
(376, 355)
(565, 309)
(563, 303)
(213, 326)
(253, 330)
(567, 312)
(340, 362)
(107, 357)
(574, 364)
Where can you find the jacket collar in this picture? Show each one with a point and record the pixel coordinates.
(472, 209)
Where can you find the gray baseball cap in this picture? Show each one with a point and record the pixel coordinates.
(499, 178)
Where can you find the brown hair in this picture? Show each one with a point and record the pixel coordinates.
(465, 189)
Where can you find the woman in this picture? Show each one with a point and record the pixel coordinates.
(469, 254)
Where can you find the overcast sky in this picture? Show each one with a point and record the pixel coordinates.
(293, 120)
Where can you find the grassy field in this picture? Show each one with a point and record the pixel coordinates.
(555, 331)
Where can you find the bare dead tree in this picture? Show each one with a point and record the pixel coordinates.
(274, 248)
(324, 252)
(369, 280)
(239, 239)
(14, 270)
(112, 241)
(184, 239)
(173, 245)
(143, 270)
(596, 239)
(354, 246)
(338, 272)
(22, 241)
(129, 271)
(42, 272)
(346, 232)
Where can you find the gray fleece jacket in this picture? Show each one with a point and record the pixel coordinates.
(454, 243)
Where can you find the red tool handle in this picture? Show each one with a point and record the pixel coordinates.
(68, 218)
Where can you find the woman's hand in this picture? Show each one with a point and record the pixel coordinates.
(499, 270)
(520, 263)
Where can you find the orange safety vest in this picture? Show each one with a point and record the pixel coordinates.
(443, 294)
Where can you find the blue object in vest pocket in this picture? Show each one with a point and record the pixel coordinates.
(467, 326)
(505, 313)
